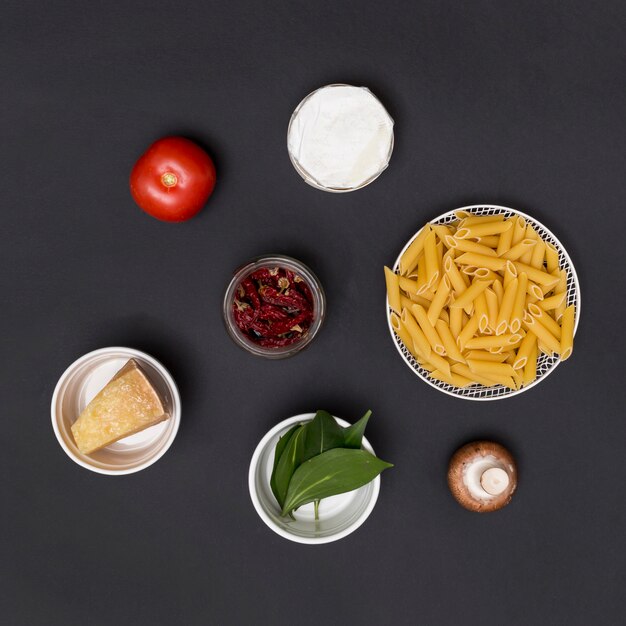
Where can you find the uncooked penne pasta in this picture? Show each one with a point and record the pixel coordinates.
(497, 341)
(457, 282)
(506, 308)
(552, 258)
(504, 242)
(553, 302)
(529, 343)
(408, 260)
(489, 368)
(419, 312)
(481, 260)
(431, 259)
(519, 249)
(441, 297)
(519, 302)
(483, 355)
(467, 297)
(538, 254)
(419, 339)
(449, 342)
(393, 290)
(467, 245)
(567, 334)
(478, 300)
(481, 230)
(469, 330)
(532, 325)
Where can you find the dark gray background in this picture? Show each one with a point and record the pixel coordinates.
(517, 103)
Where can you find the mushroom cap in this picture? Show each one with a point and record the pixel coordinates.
(466, 467)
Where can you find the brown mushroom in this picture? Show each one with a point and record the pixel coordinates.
(482, 476)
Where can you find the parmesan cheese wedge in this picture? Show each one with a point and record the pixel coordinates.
(128, 404)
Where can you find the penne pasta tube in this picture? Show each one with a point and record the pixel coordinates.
(449, 342)
(467, 297)
(480, 310)
(453, 379)
(457, 282)
(561, 287)
(538, 254)
(438, 362)
(481, 230)
(519, 249)
(400, 330)
(509, 274)
(469, 330)
(491, 241)
(408, 284)
(429, 367)
(498, 341)
(532, 325)
(518, 303)
(537, 276)
(393, 290)
(408, 260)
(431, 259)
(472, 220)
(481, 260)
(519, 229)
(429, 331)
(499, 291)
(419, 339)
(469, 270)
(441, 297)
(484, 274)
(506, 308)
(492, 308)
(552, 258)
(441, 231)
(464, 370)
(466, 245)
(483, 355)
(544, 319)
(489, 368)
(504, 242)
(567, 332)
(422, 281)
(529, 343)
(533, 290)
(456, 322)
(423, 300)
(553, 302)
(530, 369)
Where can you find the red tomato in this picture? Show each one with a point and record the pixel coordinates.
(173, 179)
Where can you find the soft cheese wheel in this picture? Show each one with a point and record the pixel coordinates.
(128, 404)
(340, 137)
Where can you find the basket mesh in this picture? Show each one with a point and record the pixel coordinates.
(545, 363)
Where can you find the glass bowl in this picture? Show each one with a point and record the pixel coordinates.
(318, 301)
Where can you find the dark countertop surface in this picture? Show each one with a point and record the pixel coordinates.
(513, 103)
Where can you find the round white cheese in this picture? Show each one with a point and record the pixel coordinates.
(340, 137)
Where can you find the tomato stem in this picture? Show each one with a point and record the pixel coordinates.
(169, 179)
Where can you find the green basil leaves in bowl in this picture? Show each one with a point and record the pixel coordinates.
(314, 478)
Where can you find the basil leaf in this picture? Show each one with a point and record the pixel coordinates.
(322, 433)
(278, 451)
(289, 460)
(353, 435)
(333, 472)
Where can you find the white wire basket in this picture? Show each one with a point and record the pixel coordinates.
(546, 364)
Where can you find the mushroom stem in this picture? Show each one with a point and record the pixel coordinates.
(494, 481)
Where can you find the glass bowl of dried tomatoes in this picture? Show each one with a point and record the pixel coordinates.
(274, 306)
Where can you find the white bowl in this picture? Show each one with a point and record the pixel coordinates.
(338, 515)
(78, 385)
(546, 364)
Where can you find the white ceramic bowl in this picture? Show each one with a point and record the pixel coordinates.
(78, 385)
(546, 364)
(338, 515)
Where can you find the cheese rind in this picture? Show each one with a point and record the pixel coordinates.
(128, 404)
